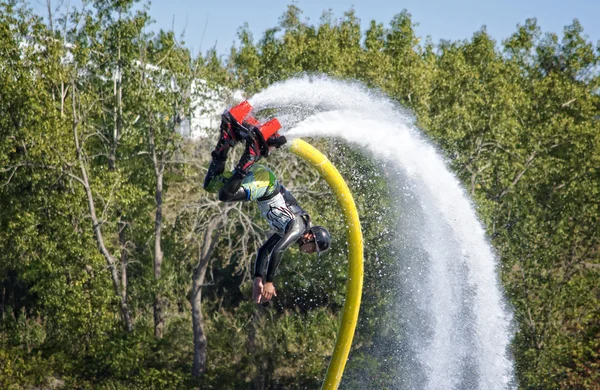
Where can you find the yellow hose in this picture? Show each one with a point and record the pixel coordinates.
(355, 258)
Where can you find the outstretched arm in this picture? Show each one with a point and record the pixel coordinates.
(260, 268)
(262, 257)
(294, 231)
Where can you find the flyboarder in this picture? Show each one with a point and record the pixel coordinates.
(252, 181)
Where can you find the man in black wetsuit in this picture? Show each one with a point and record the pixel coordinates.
(252, 181)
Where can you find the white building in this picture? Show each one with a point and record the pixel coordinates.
(207, 103)
(207, 106)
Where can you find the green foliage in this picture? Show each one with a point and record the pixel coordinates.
(287, 349)
(518, 121)
(519, 124)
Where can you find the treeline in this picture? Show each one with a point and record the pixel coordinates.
(118, 271)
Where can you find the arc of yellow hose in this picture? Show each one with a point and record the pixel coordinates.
(355, 258)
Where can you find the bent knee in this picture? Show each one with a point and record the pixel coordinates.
(224, 196)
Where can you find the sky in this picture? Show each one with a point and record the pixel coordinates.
(214, 23)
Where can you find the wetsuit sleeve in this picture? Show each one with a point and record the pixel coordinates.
(294, 231)
(262, 257)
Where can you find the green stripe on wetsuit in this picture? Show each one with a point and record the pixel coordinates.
(260, 182)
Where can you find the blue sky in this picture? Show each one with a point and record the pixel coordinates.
(213, 23)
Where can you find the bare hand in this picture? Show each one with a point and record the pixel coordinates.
(257, 290)
(269, 292)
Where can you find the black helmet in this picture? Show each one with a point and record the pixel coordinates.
(322, 238)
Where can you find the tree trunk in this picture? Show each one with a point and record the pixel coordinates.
(96, 224)
(159, 321)
(159, 168)
(206, 249)
(118, 106)
(199, 364)
(124, 259)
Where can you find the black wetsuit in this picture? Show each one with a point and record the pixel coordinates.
(270, 253)
(278, 206)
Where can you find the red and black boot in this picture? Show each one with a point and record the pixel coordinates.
(258, 142)
(252, 154)
(231, 132)
(233, 129)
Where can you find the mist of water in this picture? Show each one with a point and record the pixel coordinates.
(457, 324)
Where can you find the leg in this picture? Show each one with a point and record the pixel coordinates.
(214, 177)
(228, 137)
(232, 189)
(251, 155)
(229, 190)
